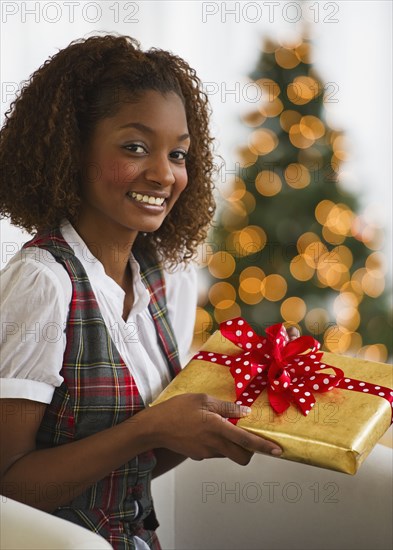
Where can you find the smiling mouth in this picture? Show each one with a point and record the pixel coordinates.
(147, 199)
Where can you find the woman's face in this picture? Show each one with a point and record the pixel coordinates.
(134, 165)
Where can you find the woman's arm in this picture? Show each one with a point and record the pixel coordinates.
(189, 425)
(166, 460)
(48, 478)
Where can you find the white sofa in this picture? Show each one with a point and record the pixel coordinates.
(25, 528)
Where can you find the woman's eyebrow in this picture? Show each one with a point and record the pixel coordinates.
(144, 128)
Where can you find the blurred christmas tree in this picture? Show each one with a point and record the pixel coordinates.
(288, 243)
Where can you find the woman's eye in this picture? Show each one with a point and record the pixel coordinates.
(182, 153)
(137, 148)
(133, 146)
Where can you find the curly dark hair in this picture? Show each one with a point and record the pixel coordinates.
(54, 115)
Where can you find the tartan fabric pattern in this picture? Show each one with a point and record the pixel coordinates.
(155, 283)
(99, 392)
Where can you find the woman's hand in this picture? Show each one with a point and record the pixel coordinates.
(196, 425)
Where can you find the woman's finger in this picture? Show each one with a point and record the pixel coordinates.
(238, 454)
(227, 409)
(293, 333)
(249, 441)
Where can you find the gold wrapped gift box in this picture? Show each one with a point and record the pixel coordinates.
(338, 433)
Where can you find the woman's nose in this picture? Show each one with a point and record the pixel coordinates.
(159, 169)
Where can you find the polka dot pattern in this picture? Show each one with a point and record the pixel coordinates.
(289, 370)
(367, 387)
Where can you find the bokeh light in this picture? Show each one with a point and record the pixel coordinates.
(331, 272)
(316, 320)
(268, 183)
(250, 285)
(272, 108)
(203, 321)
(269, 89)
(311, 127)
(298, 139)
(300, 269)
(349, 318)
(249, 240)
(374, 352)
(262, 141)
(253, 119)
(303, 51)
(340, 219)
(293, 309)
(269, 46)
(340, 148)
(222, 295)
(274, 287)
(249, 202)
(245, 157)
(234, 192)
(305, 240)
(303, 89)
(288, 118)
(297, 176)
(314, 252)
(337, 339)
(224, 314)
(221, 265)
(370, 234)
(373, 283)
(287, 58)
(322, 210)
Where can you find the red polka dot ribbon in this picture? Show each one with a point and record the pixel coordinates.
(289, 370)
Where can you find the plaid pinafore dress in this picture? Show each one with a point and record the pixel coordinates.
(99, 392)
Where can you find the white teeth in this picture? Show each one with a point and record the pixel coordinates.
(158, 201)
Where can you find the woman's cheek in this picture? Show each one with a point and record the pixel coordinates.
(128, 171)
(92, 172)
(120, 173)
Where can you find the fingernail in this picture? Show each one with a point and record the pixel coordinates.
(245, 410)
(276, 452)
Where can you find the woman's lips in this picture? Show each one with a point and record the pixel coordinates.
(149, 202)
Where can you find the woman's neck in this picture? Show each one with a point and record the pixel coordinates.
(111, 246)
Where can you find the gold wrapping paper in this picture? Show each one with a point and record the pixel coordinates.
(338, 433)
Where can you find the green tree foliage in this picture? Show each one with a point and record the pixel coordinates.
(289, 243)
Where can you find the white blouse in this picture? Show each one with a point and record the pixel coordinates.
(36, 293)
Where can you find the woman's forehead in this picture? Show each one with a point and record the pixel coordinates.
(153, 110)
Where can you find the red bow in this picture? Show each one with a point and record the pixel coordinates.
(284, 367)
(289, 370)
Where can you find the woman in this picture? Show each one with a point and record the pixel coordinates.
(107, 157)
